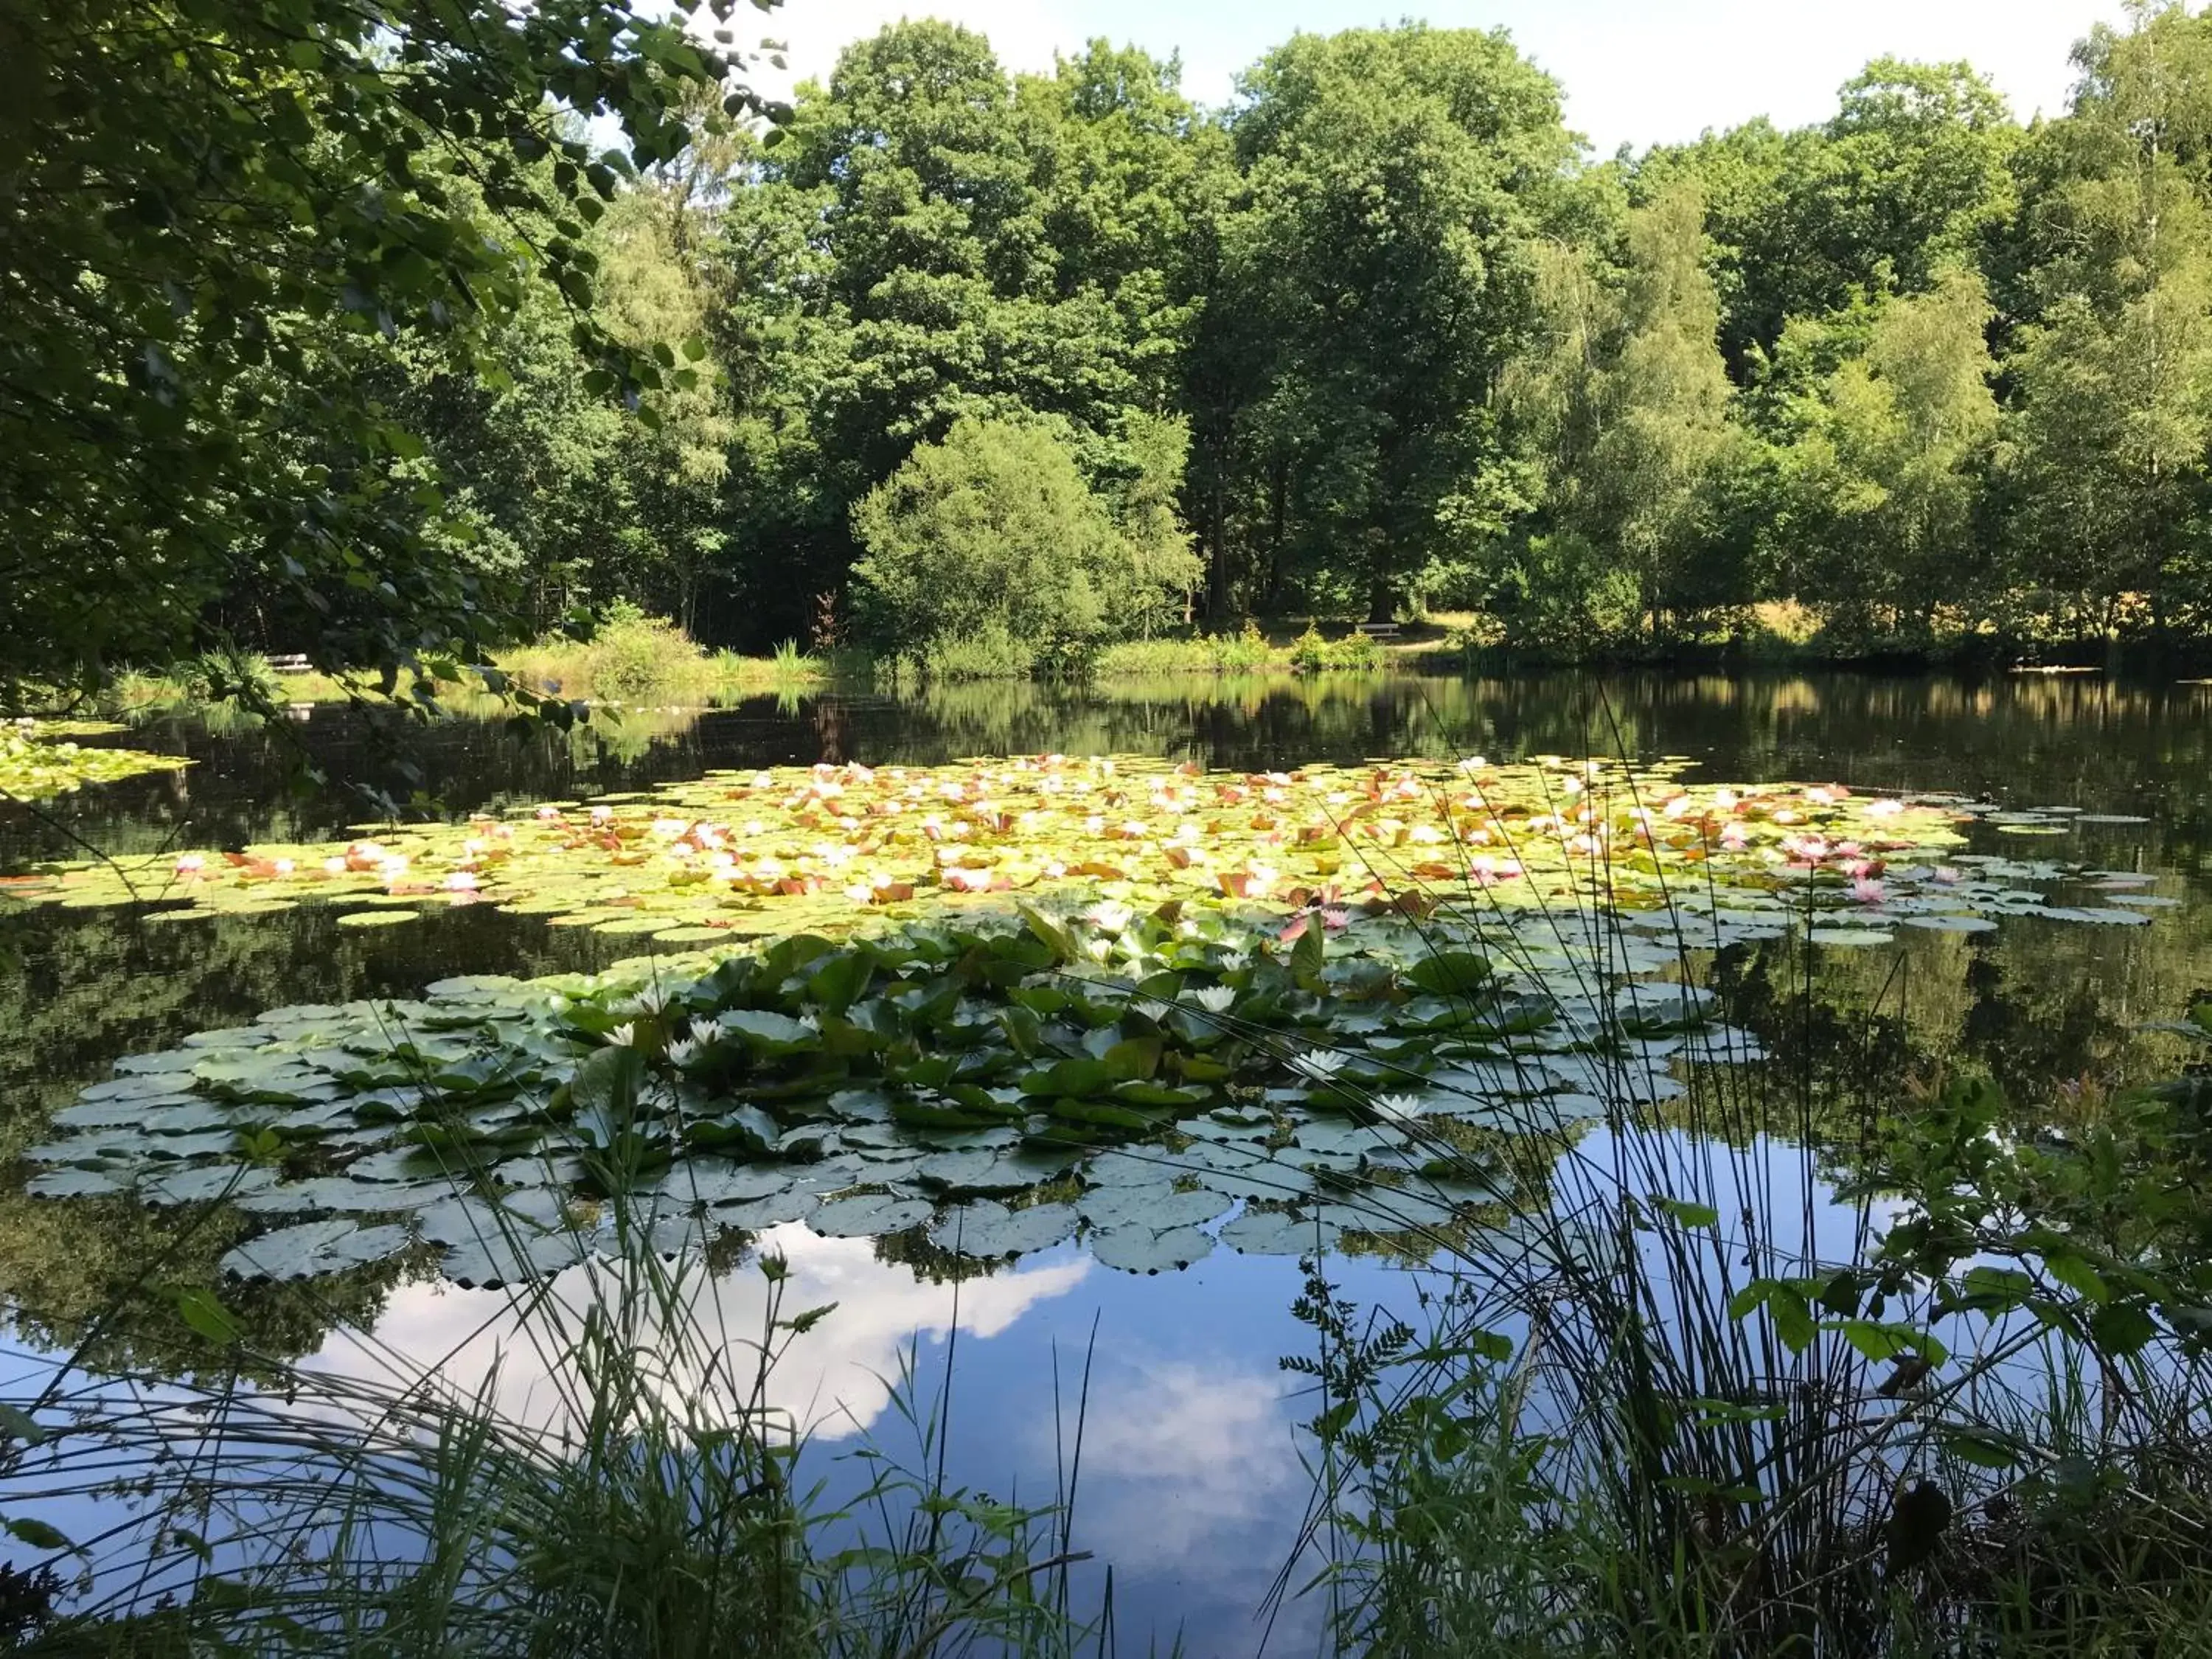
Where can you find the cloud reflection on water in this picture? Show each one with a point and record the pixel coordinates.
(834, 1382)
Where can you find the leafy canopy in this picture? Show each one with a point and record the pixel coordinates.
(216, 217)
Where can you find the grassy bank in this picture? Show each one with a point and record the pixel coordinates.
(632, 661)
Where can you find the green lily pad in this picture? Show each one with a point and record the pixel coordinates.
(1137, 1250)
(314, 1247)
(985, 1228)
(870, 1215)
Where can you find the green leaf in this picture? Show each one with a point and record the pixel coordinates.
(1689, 1215)
(1982, 1450)
(39, 1534)
(1450, 974)
(206, 1316)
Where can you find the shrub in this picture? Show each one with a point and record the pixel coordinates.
(1247, 649)
(1355, 653)
(994, 535)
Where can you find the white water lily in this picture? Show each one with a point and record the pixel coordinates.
(1320, 1065)
(1109, 914)
(625, 1036)
(682, 1051)
(1397, 1108)
(1214, 999)
(648, 1000)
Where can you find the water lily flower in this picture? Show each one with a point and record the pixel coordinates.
(1318, 1065)
(1866, 890)
(1734, 836)
(547, 814)
(190, 864)
(1473, 764)
(1109, 914)
(1214, 999)
(649, 998)
(1335, 921)
(460, 881)
(1946, 874)
(623, 1036)
(1396, 1108)
(334, 866)
(1888, 807)
(682, 1051)
(603, 814)
(393, 867)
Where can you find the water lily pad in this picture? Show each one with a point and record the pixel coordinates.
(388, 918)
(75, 1183)
(513, 1260)
(1156, 1209)
(1137, 1250)
(314, 1247)
(1278, 1232)
(1849, 937)
(986, 1228)
(870, 1215)
(1952, 924)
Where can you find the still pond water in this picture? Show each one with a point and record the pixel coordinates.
(1193, 1485)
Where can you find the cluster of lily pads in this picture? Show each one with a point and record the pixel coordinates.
(758, 853)
(1007, 1081)
(39, 759)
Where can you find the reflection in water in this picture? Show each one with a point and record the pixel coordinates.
(1191, 1485)
(831, 1384)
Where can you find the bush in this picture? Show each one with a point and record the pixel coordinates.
(1248, 650)
(1355, 653)
(994, 535)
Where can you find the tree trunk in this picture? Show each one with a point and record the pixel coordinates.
(1381, 598)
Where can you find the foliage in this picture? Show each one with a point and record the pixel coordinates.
(219, 227)
(993, 534)
(632, 657)
(864, 1086)
(38, 761)
(1356, 652)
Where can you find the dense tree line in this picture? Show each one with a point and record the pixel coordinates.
(941, 354)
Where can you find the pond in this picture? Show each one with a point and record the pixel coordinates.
(2047, 937)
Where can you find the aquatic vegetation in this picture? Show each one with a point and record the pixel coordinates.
(1175, 1062)
(754, 854)
(38, 759)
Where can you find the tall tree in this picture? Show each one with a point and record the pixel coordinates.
(2114, 407)
(195, 198)
(1888, 467)
(1396, 181)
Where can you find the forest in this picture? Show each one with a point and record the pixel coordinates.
(942, 361)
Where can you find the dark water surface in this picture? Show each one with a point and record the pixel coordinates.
(1192, 1482)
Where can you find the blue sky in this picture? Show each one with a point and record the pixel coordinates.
(1636, 71)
